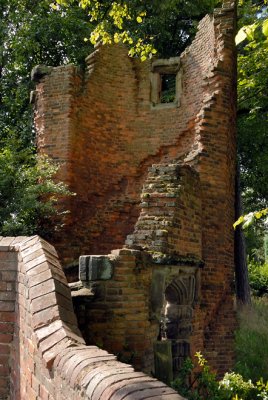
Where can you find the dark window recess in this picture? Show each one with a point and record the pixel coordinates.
(168, 88)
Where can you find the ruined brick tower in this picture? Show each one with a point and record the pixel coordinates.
(149, 149)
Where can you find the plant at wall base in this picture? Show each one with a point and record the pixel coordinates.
(234, 387)
(28, 195)
(203, 384)
(198, 385)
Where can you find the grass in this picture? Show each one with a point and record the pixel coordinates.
(252, 341)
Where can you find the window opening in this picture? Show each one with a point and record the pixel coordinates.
(166, 83)
(168, 88)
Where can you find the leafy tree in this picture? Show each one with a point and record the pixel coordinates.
(145, 26)
(32, 32)
(252, 41)
(25, 180)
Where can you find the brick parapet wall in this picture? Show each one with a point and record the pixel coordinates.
(43, 355)
(8, 274)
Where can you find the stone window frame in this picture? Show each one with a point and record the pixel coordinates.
(161, 67)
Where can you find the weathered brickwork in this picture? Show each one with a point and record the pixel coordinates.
(170, 218)
(115, 146)
(8, 273)
(103, 126)
(43, 355)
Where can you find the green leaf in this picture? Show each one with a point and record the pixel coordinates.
(258, 214)
(240, 36)
(239, 221)
(265, 28)
(139, 19)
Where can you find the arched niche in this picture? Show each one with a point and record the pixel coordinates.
(177, 315)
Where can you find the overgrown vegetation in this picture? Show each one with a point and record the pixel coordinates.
(258, 279)
(197, 382)
(253, 106)
(146, 27)
(252, 341)
(29, 196)
(198, 385)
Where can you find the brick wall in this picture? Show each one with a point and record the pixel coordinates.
(43, 356)
(8, 274)
(124, 314)
(102, 125)
(119, 313)
(170, 219)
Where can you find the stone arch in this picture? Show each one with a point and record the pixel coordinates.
(177, 314)
(181, 290)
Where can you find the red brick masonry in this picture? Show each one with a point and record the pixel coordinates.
(155, 178)
(42, 353)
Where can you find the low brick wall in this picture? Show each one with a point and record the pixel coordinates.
(43, 355)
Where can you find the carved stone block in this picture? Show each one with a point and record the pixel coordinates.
(94, 268)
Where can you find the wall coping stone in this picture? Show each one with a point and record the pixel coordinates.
(89, 371)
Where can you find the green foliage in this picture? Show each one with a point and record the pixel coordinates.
(235, 388)
(247, 219)
(252, 341)
(145, 26)
(31, 33)
(205, 386)
(253, 146)
(181, 383)
(253, 103)
(252, 143)
(28, 194)
(258, 278)
(254, 235)
(40, 32)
